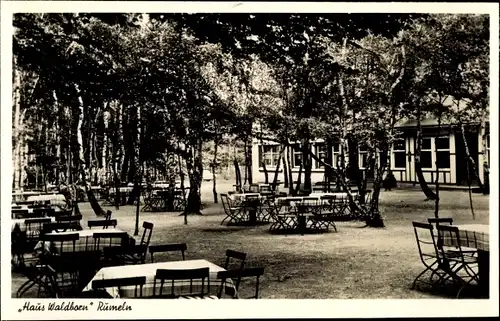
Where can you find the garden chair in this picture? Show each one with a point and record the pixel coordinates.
(132, 253)
(137, 282)
(102, 240)
(167, 280)
(20, 213)
(38, 273)
(34, 227)
(266, 208)
(69, 218)
(150, 199)
(283, 217)
(441, 220)
(236, 276)
(102, 223)
(448, 221)
(235, 258)
(429, 254)
(181, 247)
(463, 266)
(234, 214)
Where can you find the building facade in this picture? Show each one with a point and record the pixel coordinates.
(447, 149)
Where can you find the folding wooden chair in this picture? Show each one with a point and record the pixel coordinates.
(429, 254)
(168, 278)
(234, 214)
(34, 227)
(462, 266)
(37, 274)
(131, 254)
(235, 258)
(180, 247)
(236, 276)
(108, 239)
(137, 282)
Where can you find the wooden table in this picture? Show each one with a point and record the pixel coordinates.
(149, 271)
(476, 236)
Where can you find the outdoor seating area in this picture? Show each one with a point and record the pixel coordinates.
(240, 155)
(60, 256)
(454, 253)
(314, 213)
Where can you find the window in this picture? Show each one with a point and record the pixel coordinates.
(296, 155)
(321, 153)
(269, 155)
(363, 157)
(399, 152)
(337, 157)
(426, 153)
(443, 152)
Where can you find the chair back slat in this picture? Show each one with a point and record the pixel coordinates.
(180, 247)
(231, 254)
(69, 218)
(137, 281)
(182, 275)
(102, 223)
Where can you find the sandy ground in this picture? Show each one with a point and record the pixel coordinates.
(355, 262)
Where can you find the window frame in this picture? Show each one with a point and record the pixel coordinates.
(360, 157)
(394, 151)
(274, 151)
(296, 150)
(317, 146)
(442, 150)
(431, 150)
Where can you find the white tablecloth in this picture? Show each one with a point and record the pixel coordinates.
(238, 197)
(472, 236)
(55, 199)
(22, 226)
(85, 241)
(149, 271)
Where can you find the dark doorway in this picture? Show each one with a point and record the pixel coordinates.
(461, 161)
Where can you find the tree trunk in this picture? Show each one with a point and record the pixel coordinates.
(266, 174)
(195, 168)
(248, 162)
(299, 181)
(429, 194)
(79, 155)
(105, 148)
(469, 160)
(138, 169)
(374, 219)
(307, 163)
(16, 132)
(436, 204)
(285, 172)
(214, 163)
(276, 172)
(237, 173)
(245, 156)
(486, 164)
(291, 190)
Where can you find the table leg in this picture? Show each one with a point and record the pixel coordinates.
(301, 222)
(252, 212)
(484, 272)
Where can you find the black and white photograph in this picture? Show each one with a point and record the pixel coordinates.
(248, 151)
